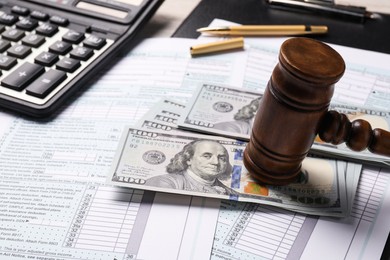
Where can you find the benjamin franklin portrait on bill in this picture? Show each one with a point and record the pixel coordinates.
(198, 167)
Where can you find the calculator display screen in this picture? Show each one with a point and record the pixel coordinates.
(120, 11)
(62, 2)
(127, 2)
(130, 2)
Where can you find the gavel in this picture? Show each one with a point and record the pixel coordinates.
(294, 110)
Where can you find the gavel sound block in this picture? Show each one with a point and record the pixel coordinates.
(294, 109)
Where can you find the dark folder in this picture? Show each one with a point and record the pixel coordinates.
(373, 34)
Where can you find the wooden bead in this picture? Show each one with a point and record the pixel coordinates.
(360, 135)
(329, 126)
(380, 143)
(344, 130)
(334, 128)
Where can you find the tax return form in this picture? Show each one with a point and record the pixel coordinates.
(55, 204)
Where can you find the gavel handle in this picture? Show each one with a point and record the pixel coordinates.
(358, 135)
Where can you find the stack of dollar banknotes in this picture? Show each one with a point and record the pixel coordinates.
(197, 149)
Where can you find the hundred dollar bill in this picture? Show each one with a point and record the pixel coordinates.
(221, 110)
(210, 166)
(166, 112)
(230, 112)
(163, 116)
(352, 172)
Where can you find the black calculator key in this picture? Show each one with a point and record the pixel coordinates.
(4, 45)
(47, 29)
(27, 24)
(60, 47)
(33, 40)
(7, 62)
(20, 10)
(81, 53)
(46, 59)
(43, 85)
(13, 34)
(73, 36)
(2, 28)
(59, 20)
(8, 19)
(39, 15)
(22, 76)
(19, 51)
(94, 42)
(68, 64)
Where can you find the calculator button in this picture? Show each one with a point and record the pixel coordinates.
(33, 40)
(68, 64)
(46, 59)
(39, 15)
(20, 10)
(47, 29)
(19, 51)
(4, 45)
(13, 34)
(2, 28)
(43, 85)
(73, 36)
(8, 19)
(7, 62)
(60, 47)
(59, 20)
(22, 76)
(27, 24)
(94, 42)
(81, 53)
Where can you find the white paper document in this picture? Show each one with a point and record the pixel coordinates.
(253, 231)
(54, 203)
(366, 81)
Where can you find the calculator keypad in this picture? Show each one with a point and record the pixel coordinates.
(39, 55)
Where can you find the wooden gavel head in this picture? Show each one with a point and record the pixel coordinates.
(294, 109)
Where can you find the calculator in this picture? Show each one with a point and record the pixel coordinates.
(49, 49)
